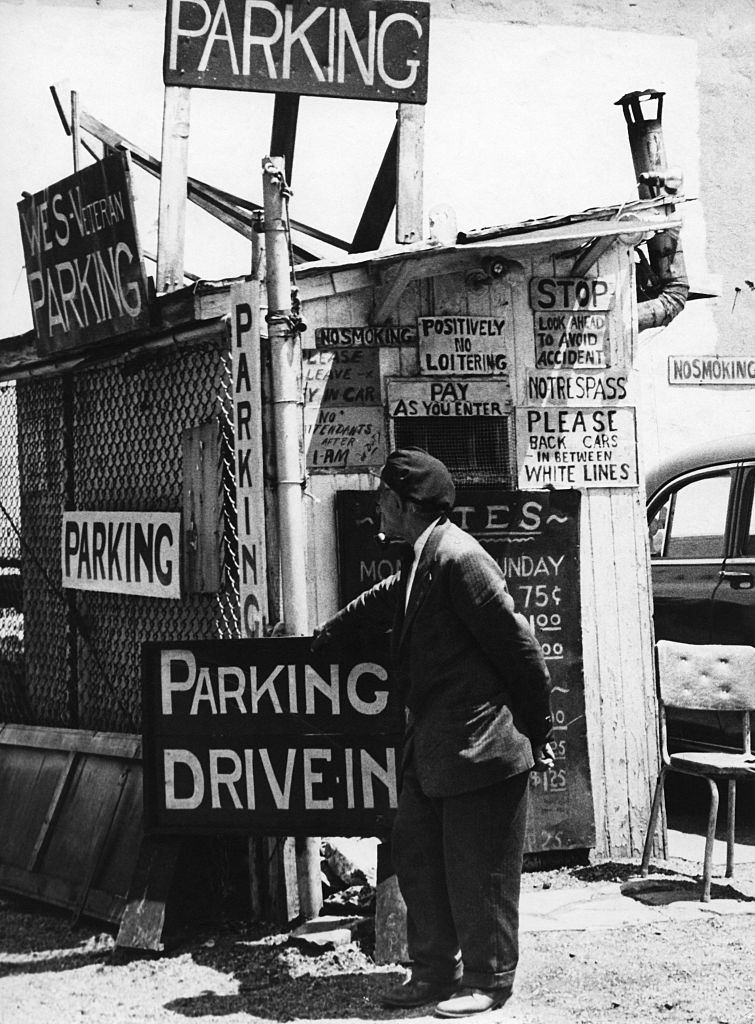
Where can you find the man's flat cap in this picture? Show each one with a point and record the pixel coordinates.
(417, 476)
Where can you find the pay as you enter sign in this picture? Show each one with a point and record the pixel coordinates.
(260, 736)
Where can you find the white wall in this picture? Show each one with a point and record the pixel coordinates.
(521, 123)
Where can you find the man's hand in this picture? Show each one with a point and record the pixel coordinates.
(545, 757)
(321, 638)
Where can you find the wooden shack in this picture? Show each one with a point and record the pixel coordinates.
(508, 353)
(511, 356)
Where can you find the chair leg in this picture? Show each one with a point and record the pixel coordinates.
(730, 817)
(708, 861)
(650, 835)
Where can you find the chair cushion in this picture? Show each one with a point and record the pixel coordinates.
(715, 763)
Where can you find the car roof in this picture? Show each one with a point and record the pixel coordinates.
(708, 453)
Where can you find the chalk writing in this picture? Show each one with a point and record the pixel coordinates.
(533, 535)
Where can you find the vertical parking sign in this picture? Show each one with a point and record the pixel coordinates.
(247, 426)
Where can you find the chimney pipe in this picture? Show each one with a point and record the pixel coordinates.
(662, 284)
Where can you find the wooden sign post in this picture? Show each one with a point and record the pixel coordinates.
(171, 224)
(373, 51)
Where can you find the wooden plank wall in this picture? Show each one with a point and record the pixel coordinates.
(617, 627)
(616, 595)
(72, 816)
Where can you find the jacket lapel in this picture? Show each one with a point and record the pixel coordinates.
(423, 577)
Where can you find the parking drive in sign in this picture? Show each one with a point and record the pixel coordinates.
(261, 736)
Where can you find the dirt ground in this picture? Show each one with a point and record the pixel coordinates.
(693, 971)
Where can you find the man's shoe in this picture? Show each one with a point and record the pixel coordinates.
(469, 1001)
(417, 993)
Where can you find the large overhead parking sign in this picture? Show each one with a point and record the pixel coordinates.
(370, 50)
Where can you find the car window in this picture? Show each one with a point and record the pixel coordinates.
(748, 541)
(692, 521)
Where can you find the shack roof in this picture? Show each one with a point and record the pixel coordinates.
(194, 314)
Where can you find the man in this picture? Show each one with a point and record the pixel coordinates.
(476, 688)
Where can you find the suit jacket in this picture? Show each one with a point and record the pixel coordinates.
(468, 666)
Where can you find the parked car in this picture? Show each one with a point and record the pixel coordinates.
(701, 520)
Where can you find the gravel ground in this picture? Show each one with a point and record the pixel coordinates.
(699, 971)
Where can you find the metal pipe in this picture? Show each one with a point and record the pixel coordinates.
(286, 366)
(288, 405)
(662, 281)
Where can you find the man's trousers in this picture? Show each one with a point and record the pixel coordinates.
(458, 862)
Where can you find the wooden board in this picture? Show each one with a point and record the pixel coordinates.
(465, 345)
(264, 737)
(577, 447)
(203, 557)
(70, 803)
(82, 256)
(344, 423)
(371, 50)
(248, 456)
(616, 613)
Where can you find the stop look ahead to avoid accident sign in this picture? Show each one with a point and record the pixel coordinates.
(370, 50)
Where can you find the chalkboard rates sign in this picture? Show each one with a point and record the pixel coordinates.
(261, 736)
(83, 263)
(534, 537)
(370, 50)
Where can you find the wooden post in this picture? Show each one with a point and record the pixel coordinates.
(272, 539)
(390, 909)
(283, 138)
(171, 226)
(286, 366)
(410, 173)
(69, 503)
(75, 130)
(380, 202)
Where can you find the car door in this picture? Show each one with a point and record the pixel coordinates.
(689, 523)
(734, 598)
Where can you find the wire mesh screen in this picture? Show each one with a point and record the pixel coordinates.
(83, 647)
(478, 451)
(13, 703)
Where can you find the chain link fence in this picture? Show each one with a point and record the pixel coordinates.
(110, 441)
(14, 706)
